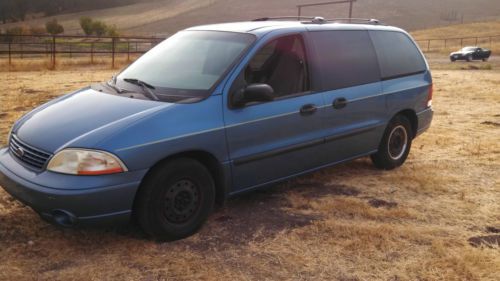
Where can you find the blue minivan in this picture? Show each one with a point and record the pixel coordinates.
(217, 110)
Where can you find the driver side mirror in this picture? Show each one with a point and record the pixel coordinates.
(252, 93)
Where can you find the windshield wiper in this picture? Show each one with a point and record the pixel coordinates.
(112, 84)
(147, 88)
(114, 87)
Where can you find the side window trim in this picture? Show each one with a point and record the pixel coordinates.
(307, 56)
(402, 75)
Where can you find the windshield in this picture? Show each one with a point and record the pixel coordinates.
(189, 63)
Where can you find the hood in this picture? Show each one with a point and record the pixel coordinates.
(80, 119)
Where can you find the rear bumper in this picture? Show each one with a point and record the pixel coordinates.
(100, 200)
(424, 120)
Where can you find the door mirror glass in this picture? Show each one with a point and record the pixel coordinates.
(253, 93)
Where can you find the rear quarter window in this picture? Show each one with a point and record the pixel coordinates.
(397, 54)
(345, 58)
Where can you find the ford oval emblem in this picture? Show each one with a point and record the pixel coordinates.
(18, 151)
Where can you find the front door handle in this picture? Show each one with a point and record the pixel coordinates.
(308, 109)
(339, 103)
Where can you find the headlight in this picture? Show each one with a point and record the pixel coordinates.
(85, 162)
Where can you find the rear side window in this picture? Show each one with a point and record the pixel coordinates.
(398, 56)
(345, 58)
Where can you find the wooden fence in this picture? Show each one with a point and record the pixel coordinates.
(440, 44)
(72, 46)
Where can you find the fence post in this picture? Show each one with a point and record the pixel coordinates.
(490, 41)
(92, 52)
(53, 51)
(70, 51)
(461, 42)
(128, 51)
(428, 45)
(21, 51)
(10, 53)
(113, 53)
(476, 42)
(445, 43)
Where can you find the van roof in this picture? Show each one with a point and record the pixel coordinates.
(261, 27)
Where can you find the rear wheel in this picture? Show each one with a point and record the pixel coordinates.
(175, 199)
(395, 145)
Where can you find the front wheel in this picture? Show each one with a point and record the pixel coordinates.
(469, 58)
(175, 199)
(395, 144)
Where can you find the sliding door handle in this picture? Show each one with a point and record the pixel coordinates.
(339, 103)
(308, 109)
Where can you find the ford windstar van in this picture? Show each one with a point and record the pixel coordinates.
(217, 110)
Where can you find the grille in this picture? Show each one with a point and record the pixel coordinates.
(28, 154)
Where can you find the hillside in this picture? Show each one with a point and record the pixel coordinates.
(126, 18)
(460, 30)
(408, 14)
(164, 17)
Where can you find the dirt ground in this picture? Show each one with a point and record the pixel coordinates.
(435, 218)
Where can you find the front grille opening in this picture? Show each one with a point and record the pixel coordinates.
(29, 155)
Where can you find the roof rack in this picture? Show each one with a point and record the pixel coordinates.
(321, 20)
(286, 18)
(355, 20)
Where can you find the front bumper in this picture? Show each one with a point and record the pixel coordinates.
(85, 200)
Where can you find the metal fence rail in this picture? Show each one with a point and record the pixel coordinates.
(438, 44)
(33, 46)
(75, 46)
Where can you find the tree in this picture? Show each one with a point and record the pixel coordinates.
(53, 27)
(86, 25)
(113, 31)
(37, 30)
(99, 28)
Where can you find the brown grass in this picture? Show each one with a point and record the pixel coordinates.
(478, 29)
(64, 63)
(316, 227)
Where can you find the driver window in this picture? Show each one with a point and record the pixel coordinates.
(281, 64)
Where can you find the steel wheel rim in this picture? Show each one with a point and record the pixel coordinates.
(397, 142)
(182, 200)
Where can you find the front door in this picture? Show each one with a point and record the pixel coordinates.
(272, 140)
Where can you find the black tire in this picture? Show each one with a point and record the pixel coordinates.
(485, 59)
(395, 144)
(469, 58)
(452, 60)
(175, 199)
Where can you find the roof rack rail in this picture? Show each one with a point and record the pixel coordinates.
(355, 20)
(285, 18)
(321, 20)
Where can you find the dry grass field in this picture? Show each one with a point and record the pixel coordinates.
(435, 218)
(350, 222)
